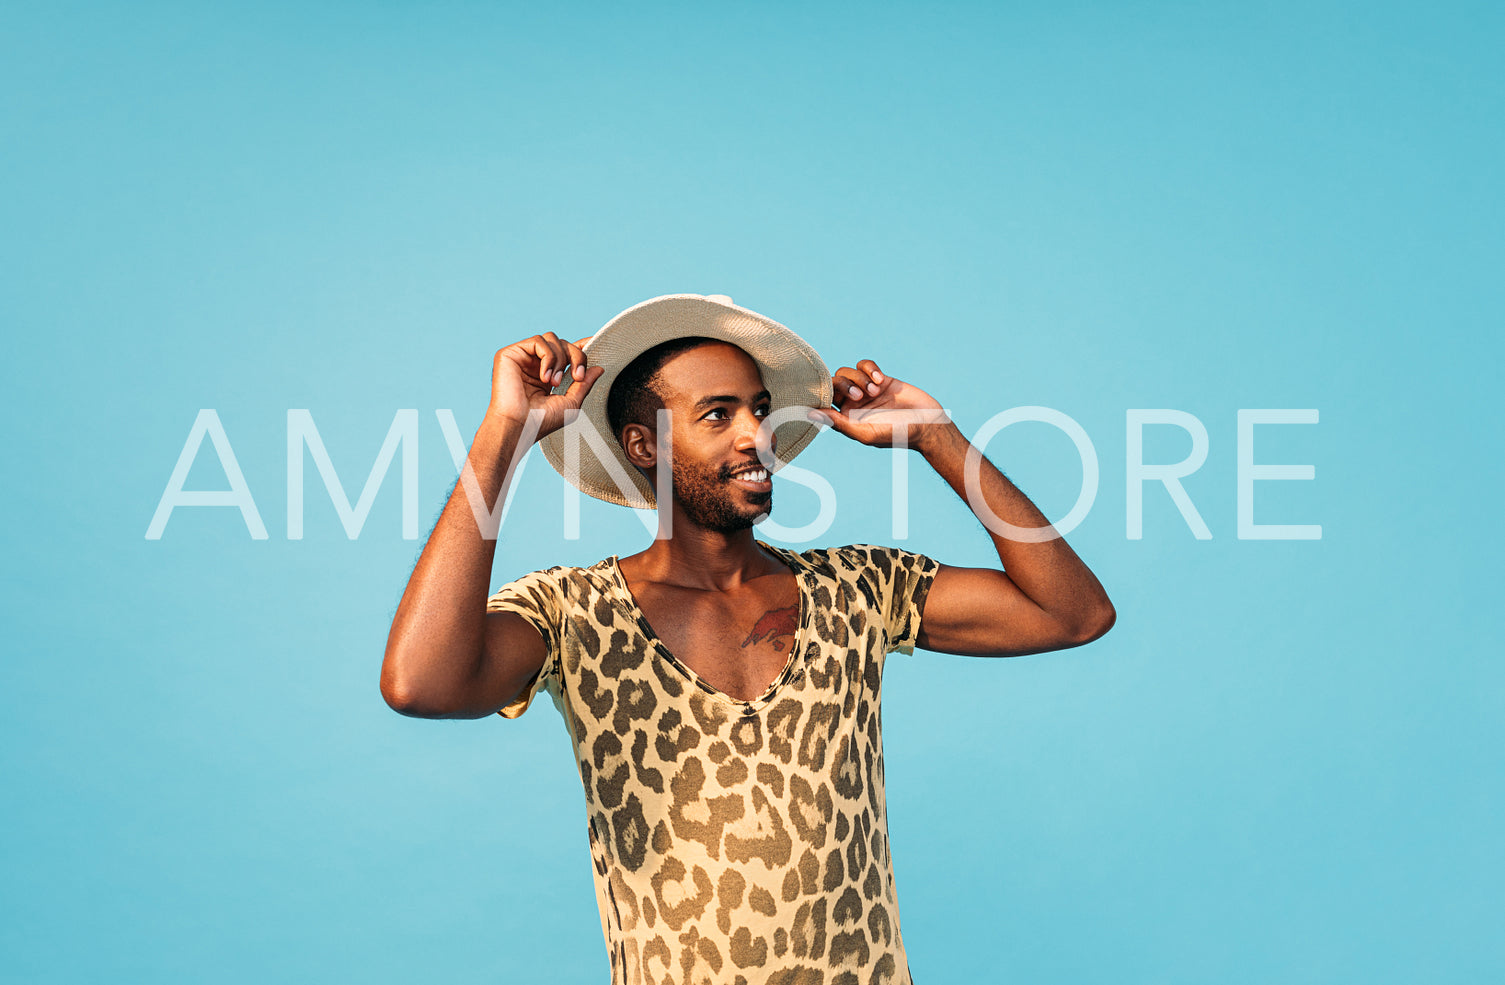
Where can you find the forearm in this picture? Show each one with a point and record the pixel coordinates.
(435, 646)
(1044, 568)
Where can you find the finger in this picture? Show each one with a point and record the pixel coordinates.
(574, 397)
(875, 380)
(563, 361)
(577, 360)
(538, 347)
(553, 373)
(847, 385)
(833, 418)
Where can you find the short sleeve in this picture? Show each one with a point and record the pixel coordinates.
(904, 579)
(535, 597)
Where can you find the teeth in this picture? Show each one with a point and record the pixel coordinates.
(756, 475)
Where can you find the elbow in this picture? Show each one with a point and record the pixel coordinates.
(412, 702)
(396, 690)
(400, 696)
(404, 695)
(414, 693)
(1094, 624)
(1082, 626)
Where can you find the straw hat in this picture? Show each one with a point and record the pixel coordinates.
(792, 371)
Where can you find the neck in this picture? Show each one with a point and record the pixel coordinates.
(699, 558)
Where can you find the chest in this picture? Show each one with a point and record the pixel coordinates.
(736, 642)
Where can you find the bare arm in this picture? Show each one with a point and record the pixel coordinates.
(1045, 598)
(446, 657)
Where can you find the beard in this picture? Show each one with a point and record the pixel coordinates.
(709, 500)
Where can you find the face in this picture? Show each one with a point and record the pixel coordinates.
(718, 401)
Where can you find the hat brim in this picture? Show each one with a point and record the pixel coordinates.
(792, 372)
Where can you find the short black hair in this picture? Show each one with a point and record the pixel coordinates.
(634, 397)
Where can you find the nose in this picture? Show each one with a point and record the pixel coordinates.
(753, 436)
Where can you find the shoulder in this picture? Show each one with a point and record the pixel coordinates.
(855, 559)
(872, 571)
(555, 585)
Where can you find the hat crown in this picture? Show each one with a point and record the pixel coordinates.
(792, 371)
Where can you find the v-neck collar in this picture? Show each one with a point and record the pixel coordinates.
(628, 603)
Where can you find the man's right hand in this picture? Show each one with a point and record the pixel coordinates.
(524, 375)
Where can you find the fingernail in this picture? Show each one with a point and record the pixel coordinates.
(877, 376)
(872, 388)
(854, 391)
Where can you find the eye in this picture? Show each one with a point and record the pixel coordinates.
(762, 410)
(715, 415)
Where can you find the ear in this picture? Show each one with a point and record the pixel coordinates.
(640, 445)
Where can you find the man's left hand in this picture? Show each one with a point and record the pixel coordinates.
(875, 409)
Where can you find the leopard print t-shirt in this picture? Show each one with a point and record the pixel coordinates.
(740, 842)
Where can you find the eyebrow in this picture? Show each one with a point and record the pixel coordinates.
(729, 398)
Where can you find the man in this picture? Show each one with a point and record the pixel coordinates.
(721, 694)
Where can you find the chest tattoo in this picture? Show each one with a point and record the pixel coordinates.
(776, 626)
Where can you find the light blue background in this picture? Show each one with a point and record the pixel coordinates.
(1283, 765)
